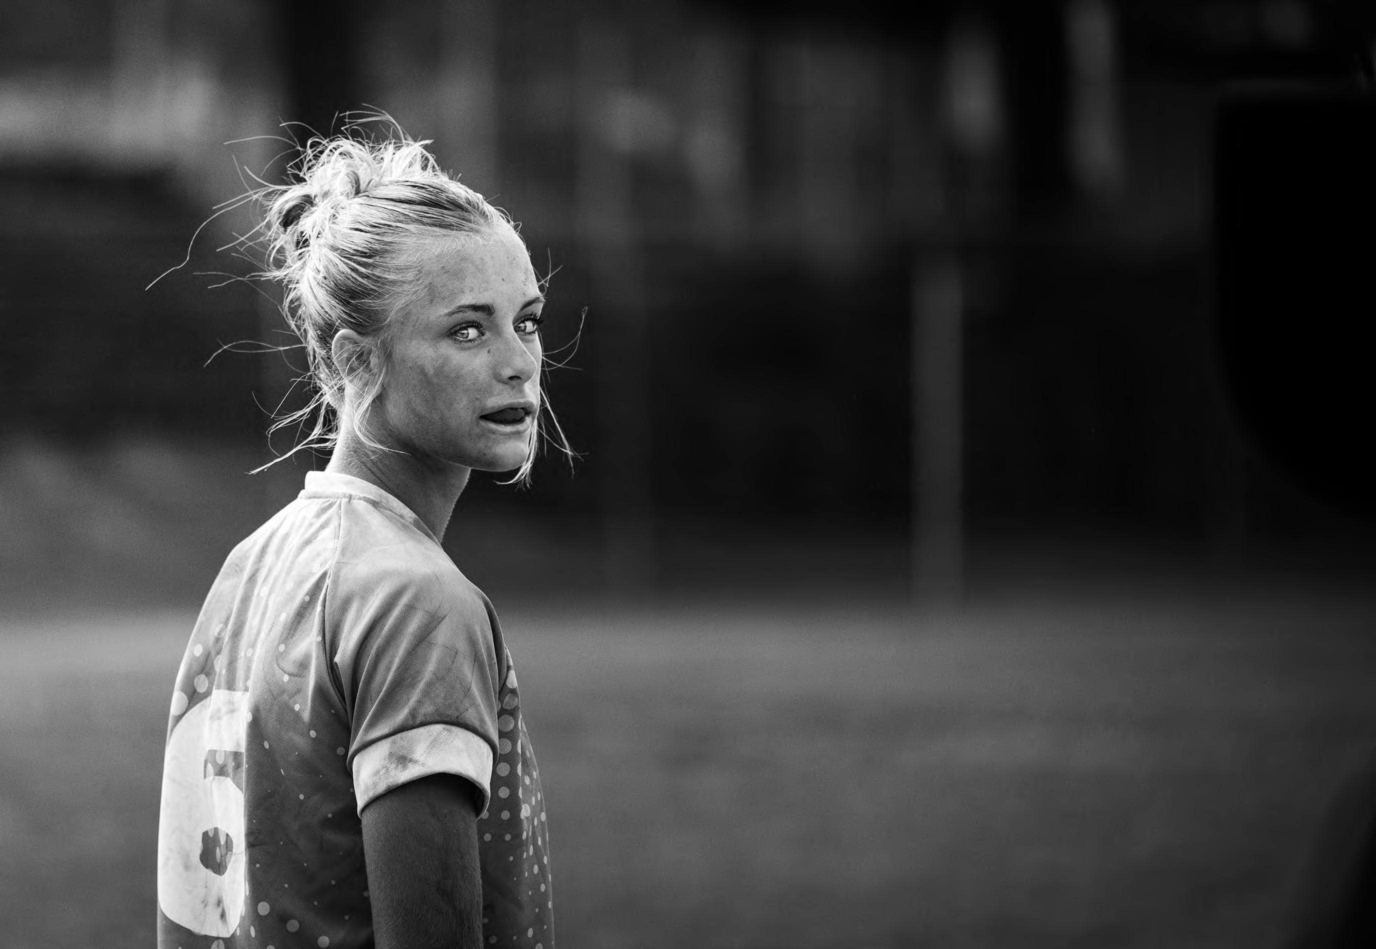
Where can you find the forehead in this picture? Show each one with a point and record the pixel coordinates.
(493, 266)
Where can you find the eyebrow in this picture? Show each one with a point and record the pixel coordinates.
(487, 309)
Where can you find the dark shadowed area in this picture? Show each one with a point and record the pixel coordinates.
(972, 541)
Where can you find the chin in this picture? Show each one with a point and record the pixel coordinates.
(500, 462)
(486, 452)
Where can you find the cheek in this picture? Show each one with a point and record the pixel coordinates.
(446, 384)
(418, 385)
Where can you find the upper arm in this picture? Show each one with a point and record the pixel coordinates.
(419, 670)
(420, 844)
(418, 664)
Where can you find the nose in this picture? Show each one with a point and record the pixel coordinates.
(516, 363)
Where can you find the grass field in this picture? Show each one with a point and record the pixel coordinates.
(1132, 773)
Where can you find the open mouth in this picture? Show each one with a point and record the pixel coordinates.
(513, 416)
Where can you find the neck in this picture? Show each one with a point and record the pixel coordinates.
(428, 486)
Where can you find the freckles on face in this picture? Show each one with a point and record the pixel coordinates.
(464, 345)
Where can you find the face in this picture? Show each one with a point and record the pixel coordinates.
(462, 382)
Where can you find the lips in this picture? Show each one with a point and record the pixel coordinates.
(508, 416)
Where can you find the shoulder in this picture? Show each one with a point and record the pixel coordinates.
(378, 551)
(386, 571)
(300, 537)
(400, 618)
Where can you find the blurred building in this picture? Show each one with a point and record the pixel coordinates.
(943, 275)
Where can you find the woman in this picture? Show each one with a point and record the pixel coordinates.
(347, 763)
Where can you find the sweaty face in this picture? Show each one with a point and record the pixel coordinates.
(462, 381)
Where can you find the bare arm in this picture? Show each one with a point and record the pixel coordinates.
(420, 843)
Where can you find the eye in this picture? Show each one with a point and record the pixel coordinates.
(529, 325)
(467, 333)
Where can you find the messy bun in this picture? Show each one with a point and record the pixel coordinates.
(335, 238)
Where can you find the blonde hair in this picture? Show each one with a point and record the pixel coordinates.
(336, 237)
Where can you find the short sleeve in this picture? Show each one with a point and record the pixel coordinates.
(418, 667)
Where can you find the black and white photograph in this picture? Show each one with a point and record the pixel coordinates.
(687, 474)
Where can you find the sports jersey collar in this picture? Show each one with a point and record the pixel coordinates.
(331, 484)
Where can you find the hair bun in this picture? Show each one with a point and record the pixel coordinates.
(290, 210)
(337, 173)
(331, 173)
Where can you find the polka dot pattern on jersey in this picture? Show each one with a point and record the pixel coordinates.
(516, 849)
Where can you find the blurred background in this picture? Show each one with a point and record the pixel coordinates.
(972, 536)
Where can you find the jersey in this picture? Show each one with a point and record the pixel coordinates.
(340, 654)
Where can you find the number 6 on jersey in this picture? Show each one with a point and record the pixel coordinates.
(201, 829)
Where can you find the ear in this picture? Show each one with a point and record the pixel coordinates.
(355, 357)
